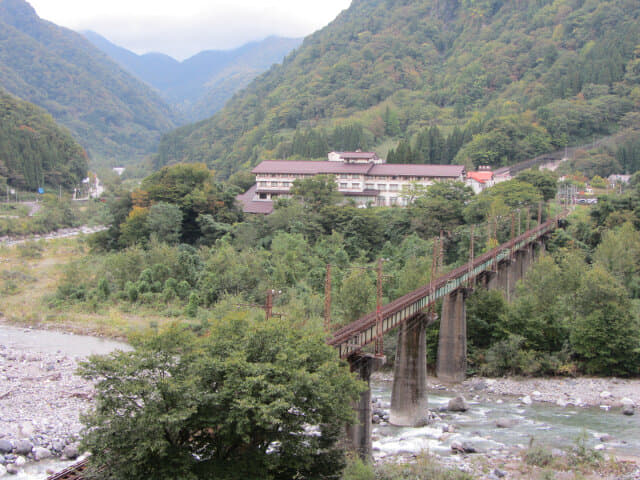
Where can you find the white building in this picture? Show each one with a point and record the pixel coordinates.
(360, 176)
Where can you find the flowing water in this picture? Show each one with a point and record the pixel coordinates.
(549, 425)
(546, 424)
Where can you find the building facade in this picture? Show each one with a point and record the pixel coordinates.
(360, 176)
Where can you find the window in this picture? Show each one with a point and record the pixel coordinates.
(382, 187)
(262, 184)
(393, 187)
(369, 186)
(393, 200)
(274, 184)
(263, 196)
(286, 184)
(355, 185)
(344, 185)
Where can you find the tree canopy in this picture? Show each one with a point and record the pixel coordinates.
(247, 400)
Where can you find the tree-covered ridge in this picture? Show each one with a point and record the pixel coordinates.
(522, 77)
(200, 85)
(35, 151)
(110, 112)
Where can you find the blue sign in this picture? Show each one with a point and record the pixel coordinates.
(41, 190)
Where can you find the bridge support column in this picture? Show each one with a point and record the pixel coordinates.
(452, 343)
(409, 394)
(359, 434)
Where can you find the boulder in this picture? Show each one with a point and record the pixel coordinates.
(526, 400)
(605, 394)
(505, 422)
(627, 401)
(6, 446)
(606, 438)
(23, 447)
(20, 461)
(3, 470)
(499, 473)
(457, 404)
(12, 469)
(71, 452)
(628, 410)
(462, 447)
(40, 453)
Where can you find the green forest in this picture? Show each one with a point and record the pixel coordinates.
(35, 152)
(178, 246)
(502, 80)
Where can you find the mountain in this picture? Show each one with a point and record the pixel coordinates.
(484, 81)
(201, 85)
(111, 113)
(34, 150)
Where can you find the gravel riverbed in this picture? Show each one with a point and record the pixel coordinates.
(41, 398)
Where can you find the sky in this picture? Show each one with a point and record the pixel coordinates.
(181, 28)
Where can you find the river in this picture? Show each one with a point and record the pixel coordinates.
(547, 424)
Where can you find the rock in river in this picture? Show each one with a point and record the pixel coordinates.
(458, 404)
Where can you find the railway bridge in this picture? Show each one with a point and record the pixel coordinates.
(499, 268)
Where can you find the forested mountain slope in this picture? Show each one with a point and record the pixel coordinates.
(517, 77)
(200, 85)
(109, 111)
(35, 151)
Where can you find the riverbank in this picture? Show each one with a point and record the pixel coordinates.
(520, 428)
(41, 398)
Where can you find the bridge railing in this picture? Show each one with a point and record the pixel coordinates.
(353, 337)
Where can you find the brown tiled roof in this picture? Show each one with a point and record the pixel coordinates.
(249, 205)
(311, 167)
(411, 170)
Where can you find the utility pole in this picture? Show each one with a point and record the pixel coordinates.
(539, 213)
(471, 253)
(327, 300)
(379, 335)
(528, 219)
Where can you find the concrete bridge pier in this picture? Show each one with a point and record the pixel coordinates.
(452, 343)
(409, 394)
(359, 434)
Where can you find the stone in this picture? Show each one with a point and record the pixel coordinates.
(561, 402)
(57, 446)
(457, 404)
(605, 394)
(462, 447)
(26, 428)
(505, 422)
(12, 469)
(628, 410)
(6, 446)
(536, 393)
(606, 438)
(526, 400)
(627, 401)
(71, 452)
(499, 473)
(23, 447)
(3, 470)
(40, 453)
(20, 461)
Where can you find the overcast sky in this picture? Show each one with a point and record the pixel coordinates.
(181, 28)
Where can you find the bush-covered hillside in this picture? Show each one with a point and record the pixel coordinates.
(518, 77)
(110, 112)
(34, 150)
